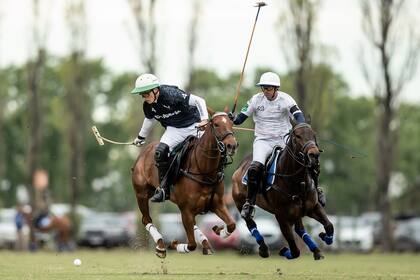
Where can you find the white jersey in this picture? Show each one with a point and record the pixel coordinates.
(271, 117)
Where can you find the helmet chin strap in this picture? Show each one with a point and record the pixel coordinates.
(274, 94)
(155, 95)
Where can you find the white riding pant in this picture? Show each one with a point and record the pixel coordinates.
(262, 148)
(173, 136)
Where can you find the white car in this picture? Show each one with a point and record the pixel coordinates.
(8, 231)
(350, 233)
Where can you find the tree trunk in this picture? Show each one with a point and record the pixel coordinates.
(75, 99)
(383, 176)
(34, 70)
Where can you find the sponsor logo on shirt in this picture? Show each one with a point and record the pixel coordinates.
(168, 115)
(260, 108)
(166, 106)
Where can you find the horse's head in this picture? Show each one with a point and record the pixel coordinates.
(222, 129)
(304, 142)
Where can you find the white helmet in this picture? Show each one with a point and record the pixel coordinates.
(269, 79)
(144, 83)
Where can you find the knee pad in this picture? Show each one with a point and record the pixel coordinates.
(162, 152)
(255, 171)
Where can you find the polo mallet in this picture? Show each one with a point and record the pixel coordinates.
(238, 88)
(101, 139)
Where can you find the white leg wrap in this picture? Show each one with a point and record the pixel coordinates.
(153, 232)
(198, 235)
(182, 248)
(224, 233)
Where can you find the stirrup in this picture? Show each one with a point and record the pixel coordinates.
(159, 195)
(248, 211)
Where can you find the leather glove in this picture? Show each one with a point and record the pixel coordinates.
(139, 141)
(231, 116)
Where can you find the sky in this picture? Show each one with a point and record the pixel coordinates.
(224, 31)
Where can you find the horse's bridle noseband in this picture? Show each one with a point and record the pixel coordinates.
(300, 157)
(219, 138)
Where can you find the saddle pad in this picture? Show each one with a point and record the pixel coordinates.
(269, 175)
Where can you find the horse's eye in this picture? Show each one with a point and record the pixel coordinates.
(216, 125)
(298, 137)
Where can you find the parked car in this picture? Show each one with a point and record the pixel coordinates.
(350, 233)
(8, 231)
(206, 225)
(61, 209)
(103, 229)
(407, 235)
(268, 228)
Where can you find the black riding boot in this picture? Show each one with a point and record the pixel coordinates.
(254, 178)
(162, 164)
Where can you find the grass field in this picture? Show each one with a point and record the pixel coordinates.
(120, 264)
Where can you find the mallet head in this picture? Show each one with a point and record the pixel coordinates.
(260, 4)
(97, 136)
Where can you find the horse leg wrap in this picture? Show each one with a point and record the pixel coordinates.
(285, 252)
(182, 248)
(328, 239)
(153, 232)
(199, 235)
(258, 237)
(224, 233)
(308, 239)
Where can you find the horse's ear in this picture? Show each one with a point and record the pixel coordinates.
(226, 109)
(210, 111)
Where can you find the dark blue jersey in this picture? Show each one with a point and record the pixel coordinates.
(172, 108)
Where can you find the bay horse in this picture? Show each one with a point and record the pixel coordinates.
(60, 226)
(199, 188)
(292, 195)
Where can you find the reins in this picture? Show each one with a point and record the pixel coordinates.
(220, 150)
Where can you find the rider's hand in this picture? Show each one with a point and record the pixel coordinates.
(139, 141)
(231, 116)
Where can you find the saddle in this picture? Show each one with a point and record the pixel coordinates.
(176, 157)
(269, 170)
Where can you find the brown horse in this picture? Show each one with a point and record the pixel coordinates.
(59, 226)
(199, 187)
(292, 195)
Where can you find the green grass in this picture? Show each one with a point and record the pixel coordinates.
(138, 264)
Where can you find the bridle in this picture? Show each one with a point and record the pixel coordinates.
(225, 159)
(219, 138)
(301, 156)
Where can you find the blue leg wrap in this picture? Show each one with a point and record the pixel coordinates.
(307, 238)
(328, 239)
(258, 237)
(285, 252)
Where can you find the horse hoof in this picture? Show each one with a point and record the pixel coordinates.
(263, 251)
(207, 251)
(161, 253)
(173, 245)
(318, 256)
(216, 229)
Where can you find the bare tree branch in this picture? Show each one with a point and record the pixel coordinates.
(386, 39)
